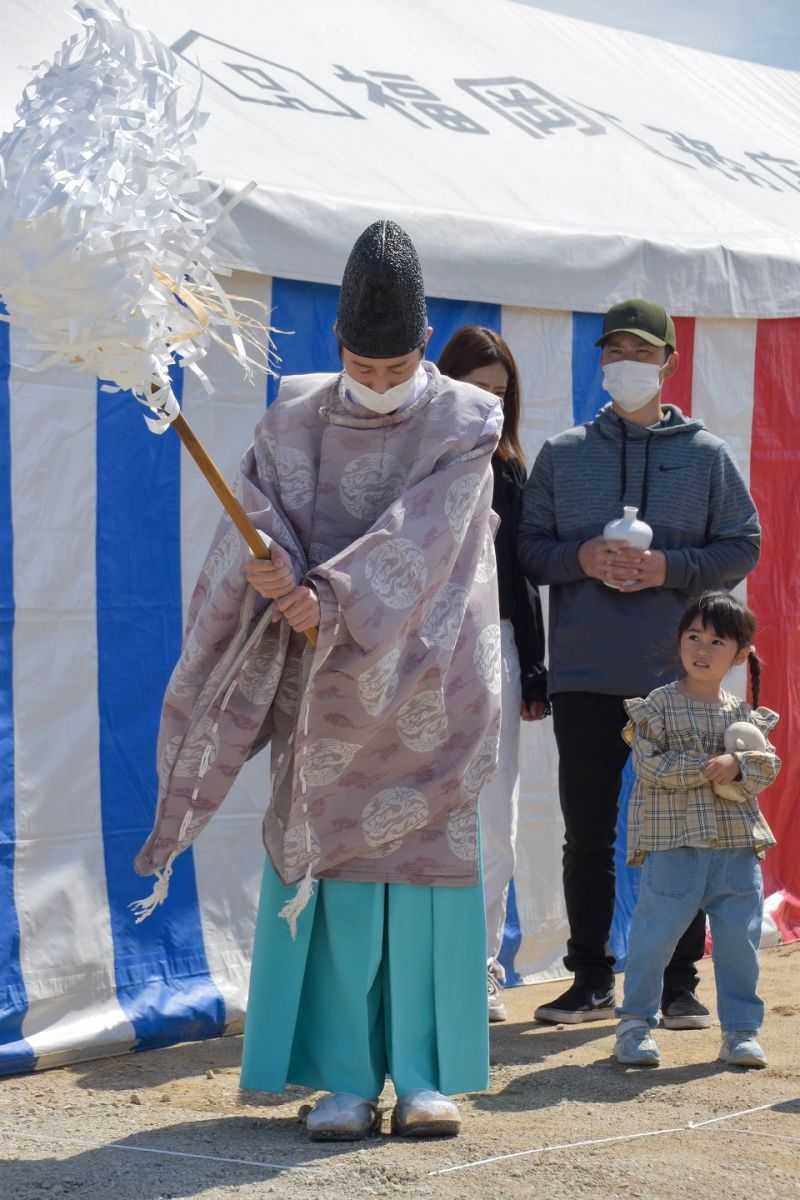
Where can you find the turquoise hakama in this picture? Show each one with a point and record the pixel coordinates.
(382, 979)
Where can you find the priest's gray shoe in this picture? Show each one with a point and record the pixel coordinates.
(425, 1114)
(342, 1117)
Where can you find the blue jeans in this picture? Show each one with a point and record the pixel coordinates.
(675, 883)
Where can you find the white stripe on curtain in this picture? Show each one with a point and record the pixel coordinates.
(723, 381)
(66, 949)
(541, 343)
(722, 397)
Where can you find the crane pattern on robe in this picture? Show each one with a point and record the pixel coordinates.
(383, 735)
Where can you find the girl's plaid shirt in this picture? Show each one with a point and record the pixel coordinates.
(673, 804)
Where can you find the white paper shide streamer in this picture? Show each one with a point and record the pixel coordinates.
(105, 221)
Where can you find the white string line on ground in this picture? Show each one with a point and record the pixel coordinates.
(242, 1162)
(623, 1137)
(775, 1137)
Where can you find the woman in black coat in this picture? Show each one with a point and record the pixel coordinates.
(481, 357)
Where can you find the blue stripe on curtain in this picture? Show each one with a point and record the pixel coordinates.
(628, 878)
(15, 1053)
(588, 398)
(162, 976)
(446, 316)
(512, 939)
(306, 312)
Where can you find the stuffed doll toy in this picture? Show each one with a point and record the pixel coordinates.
(741, 735)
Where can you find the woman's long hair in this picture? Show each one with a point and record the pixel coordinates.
(472, 347)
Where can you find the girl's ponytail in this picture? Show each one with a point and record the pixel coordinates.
(754, 667)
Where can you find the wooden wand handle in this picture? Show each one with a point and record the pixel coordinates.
(229, 502)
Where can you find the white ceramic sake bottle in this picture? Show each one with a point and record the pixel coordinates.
(627, 528)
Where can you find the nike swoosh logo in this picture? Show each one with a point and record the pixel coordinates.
(680, 467)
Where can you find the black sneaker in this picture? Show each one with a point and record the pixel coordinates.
(682, 1010)
(576, 1005)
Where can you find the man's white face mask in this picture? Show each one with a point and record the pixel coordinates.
(632, 384)
(382, 402)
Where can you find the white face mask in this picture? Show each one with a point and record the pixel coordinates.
(387, 402)
(631, 384)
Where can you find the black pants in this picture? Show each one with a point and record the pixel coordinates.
(591, 758)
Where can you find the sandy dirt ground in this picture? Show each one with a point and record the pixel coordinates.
(173, 1123)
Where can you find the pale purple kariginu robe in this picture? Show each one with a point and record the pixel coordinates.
(384, 734)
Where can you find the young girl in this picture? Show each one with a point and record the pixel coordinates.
(481, 356)
(698, 850)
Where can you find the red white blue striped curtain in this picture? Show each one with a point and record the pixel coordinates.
(102, 530)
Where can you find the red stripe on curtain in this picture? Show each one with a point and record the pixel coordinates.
(679, 389)
(774, 587)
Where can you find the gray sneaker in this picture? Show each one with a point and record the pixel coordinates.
(740, 1048)
(634, 1046)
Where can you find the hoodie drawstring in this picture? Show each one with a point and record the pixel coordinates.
(623, 467)
(623, 462)
(643, 505)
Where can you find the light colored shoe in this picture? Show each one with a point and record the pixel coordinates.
(634, 1046)
(424, 1113)
(740, 1048)
(496, 978)
(342, 1117)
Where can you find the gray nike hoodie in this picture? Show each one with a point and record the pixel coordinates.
(687, 487)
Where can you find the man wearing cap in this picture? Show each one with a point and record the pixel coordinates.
(373, 491)
(613, 612)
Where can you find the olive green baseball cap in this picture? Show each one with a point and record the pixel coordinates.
(646, 319)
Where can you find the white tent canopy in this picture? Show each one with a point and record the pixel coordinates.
(536, 160)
